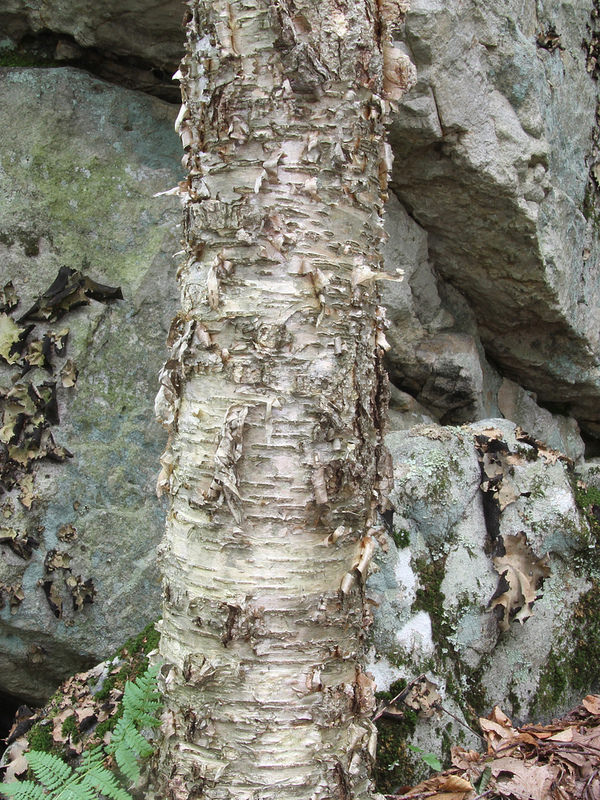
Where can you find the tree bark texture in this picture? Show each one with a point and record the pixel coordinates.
(275, 395)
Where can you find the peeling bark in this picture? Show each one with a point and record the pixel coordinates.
(275, 396)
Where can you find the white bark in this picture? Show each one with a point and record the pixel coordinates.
(275, 395)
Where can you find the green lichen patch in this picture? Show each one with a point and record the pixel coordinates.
(588, 501)
(572, 666)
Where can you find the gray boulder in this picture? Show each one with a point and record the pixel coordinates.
(152, 32)
(484, 581)
(79, 163)
(495, 159)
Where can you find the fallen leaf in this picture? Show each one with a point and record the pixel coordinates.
(521, 576)
(68, 374)
(423, 697)
(592, 704)
(562, 736)
(524, 781)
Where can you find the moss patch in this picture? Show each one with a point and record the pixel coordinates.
(573, 667)
(401, 537)
(430, 598)
(135, 655)
(395, 764)
(588, 501)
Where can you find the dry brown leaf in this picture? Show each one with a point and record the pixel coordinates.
(562, 736)
(442, 787)
(423, 697)
(17, 766)
(591, 703)
(522, 780)
(85, 712)
(521, 576)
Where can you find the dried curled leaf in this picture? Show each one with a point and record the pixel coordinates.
(70, 288)
(521, 576)
(12, 339)
(423, 697)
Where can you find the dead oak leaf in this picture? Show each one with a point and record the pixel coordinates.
(591, 703)
(524, 780)
(442, 787)
(521, 576)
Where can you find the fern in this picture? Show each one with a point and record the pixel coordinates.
(92, 780)
(24, 790)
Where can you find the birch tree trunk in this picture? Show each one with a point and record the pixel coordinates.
(275, 395)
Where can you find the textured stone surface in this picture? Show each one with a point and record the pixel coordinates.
(151, 32)
(434, 585)
(493, 149)
(436, 355)
(78, 166)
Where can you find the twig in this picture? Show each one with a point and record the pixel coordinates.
(400, 696)
(485, 794)
(460, 722)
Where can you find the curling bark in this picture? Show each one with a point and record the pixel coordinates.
(275, 396)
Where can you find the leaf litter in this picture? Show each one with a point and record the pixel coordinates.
(558, 761)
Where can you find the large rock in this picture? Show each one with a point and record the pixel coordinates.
(471, 504)
(493, 148)
(436, 356)
(79, 162)
(151, 32)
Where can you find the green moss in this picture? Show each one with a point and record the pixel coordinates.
(145, 641)
(514, 701)
(430, 598)
(135, 652)
(40, 738)
(395, 688)
(14, 58)
(588, 502)
(401, 537)
(395, 765)
(474, 694)
(572, 668)
(69, 728)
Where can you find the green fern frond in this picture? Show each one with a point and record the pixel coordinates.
(141, 698)
(92, 780)
(128, 745)
(95, 776)
(49, 770)
(23, 790)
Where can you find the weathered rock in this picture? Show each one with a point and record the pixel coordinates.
(132, 28)
(493, 153)
(79, 163)
(129, 43)
(435, 354)
(557, 431)
(463, 497)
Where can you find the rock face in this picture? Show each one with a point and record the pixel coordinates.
(483, 584)
(493, 154)
(130, 43)
(493, 217)
(151, 33)
(79, 163)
